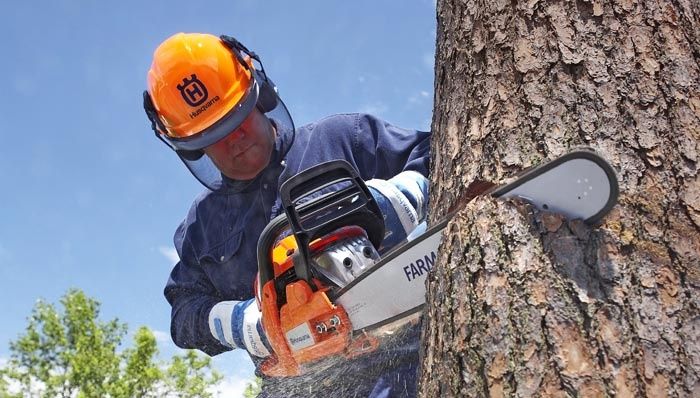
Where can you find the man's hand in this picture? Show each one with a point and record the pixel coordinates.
(403, 201)
(236, 324)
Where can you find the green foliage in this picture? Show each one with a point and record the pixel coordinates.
(3, 385)
(71, 353)
(140, 374)
(253, 389)
(189, 375)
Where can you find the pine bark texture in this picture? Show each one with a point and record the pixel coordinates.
(525, 304)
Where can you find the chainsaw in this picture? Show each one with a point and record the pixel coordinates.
(325, 291)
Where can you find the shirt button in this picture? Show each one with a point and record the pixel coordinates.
(222, 258)
(264, 186)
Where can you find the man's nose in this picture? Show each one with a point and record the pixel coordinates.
(236, 136)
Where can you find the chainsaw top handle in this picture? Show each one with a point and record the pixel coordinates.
(318, 201)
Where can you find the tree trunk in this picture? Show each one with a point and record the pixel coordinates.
(529, 304)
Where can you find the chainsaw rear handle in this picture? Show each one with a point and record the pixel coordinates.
(351, 204)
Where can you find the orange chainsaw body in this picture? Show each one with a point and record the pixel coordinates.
(323, 205)
(307, 327)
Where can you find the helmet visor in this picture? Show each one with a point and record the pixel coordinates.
(221, 128)
(204, 169)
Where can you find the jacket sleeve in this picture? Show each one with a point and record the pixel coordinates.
(376, 148)
(382, 150)
(187, 295)
(191, 296)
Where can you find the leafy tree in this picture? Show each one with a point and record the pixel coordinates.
(3, 385)
(189, 376)
(140, 373)
(71, 353)
(253, 388)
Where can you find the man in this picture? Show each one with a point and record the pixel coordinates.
(210, 100)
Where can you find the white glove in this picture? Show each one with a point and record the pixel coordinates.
(236, 324)
(403, 201)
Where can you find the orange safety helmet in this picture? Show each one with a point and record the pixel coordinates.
(194, 81)
(200, 89)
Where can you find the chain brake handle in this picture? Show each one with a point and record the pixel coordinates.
(352, 204)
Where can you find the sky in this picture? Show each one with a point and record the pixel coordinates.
(90, 198)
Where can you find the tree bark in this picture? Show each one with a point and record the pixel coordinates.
(522, 303)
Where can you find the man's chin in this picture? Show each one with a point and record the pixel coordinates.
(245, 174)
(250, 164)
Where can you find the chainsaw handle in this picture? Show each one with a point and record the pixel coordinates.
(318, 177)
(352, 204)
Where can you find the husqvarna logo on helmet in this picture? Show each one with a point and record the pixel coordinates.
(193, 91)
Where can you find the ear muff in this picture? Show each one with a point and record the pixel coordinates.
(190, 155)
(267, 97)
(152, 114)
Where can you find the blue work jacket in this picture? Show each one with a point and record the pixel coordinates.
(217, 241)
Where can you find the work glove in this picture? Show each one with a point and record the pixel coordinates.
(237, 324)
(403, 201)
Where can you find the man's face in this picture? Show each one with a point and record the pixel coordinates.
(246, 151)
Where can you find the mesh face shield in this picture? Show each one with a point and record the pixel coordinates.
(202, 167)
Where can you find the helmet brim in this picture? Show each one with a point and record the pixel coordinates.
(222, 127)
(202, 167)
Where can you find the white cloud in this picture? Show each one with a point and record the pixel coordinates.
(376, 108)
(238, 371)
(231, 387)
(420, 97)
(14, 387)
(161, 336)
(429, 60)
(170, 253)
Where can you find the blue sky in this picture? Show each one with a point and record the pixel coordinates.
(90, 198)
